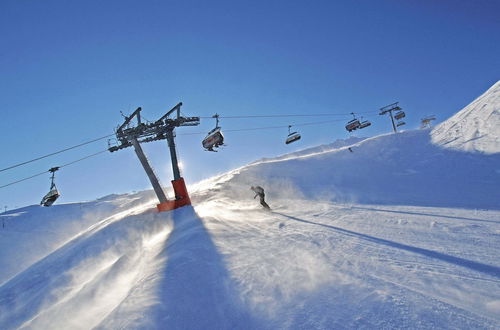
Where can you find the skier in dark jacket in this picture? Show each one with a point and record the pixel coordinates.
(259, 191)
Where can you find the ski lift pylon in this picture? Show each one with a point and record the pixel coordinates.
(214, 138)
(53, 193)
(426, 121)
(292, 137)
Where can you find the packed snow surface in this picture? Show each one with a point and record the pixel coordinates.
(474, 128)
(399, 233)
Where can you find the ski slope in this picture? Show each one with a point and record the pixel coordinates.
(400, 233)
(474, 128)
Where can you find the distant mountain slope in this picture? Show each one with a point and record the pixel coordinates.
(474, 128)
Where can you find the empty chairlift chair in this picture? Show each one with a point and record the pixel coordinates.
(53, 193)
(292, 137)
(364, 123)
(399, 115)
(214, 138)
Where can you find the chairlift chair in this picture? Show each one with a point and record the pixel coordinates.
(214, 138)
(53, 193)
(364, 123)
(353, 124)
(401, 123)
(292, 137)
(399, 115)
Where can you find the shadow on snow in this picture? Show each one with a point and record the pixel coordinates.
(473, 265)
(424, 214)
(196, 290)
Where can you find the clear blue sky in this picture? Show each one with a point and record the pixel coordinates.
(68, 68)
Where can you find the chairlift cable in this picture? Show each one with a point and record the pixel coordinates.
(57, 152)
(86, 157)
(289, 115)
(44, 172)
(21, 180)
(269, 127)
(225, 117)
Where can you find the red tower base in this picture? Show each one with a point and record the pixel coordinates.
(181, 197)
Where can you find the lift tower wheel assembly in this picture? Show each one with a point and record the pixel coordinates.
(161, 129)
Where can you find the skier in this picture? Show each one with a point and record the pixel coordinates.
(259, 191)
(350, 149)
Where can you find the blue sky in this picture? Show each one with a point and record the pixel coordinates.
(68, 68)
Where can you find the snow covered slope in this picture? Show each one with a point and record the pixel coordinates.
(394, 169)
(474, 128)
(399, 233)
(32, 232)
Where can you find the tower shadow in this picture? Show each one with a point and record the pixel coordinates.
(196, 289)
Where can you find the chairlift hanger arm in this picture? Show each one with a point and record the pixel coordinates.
(216, 116)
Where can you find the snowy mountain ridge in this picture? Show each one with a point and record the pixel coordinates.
(474, 128)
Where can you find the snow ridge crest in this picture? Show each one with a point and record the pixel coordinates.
(475, 128)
